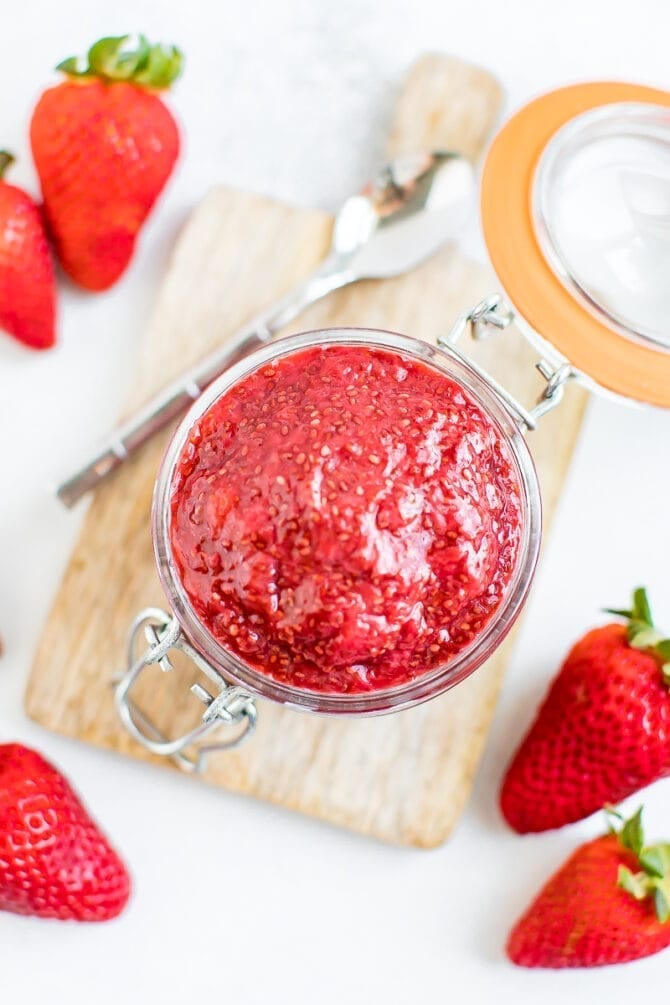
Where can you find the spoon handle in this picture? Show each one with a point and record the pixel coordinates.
(177, 397)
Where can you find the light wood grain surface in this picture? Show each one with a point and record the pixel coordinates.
(403, 778)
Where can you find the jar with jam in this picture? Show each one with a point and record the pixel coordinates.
(348, 521)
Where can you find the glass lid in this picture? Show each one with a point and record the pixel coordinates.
(601, 211)
(575, 208)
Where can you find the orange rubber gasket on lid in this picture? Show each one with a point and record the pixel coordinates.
(536, 292)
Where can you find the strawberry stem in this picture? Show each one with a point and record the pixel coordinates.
(641, 631)
(653, 879)
(5, 160)
(130, 58)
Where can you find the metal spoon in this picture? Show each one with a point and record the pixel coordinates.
(416, 204)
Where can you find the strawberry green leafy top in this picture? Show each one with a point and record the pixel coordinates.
(653, 878)
(641, 631)
(6, 159)
(130, 58)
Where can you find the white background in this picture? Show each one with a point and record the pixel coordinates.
(235, 899)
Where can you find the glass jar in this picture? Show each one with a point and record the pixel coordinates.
(582, 166)
(431, 683)
(237, 683)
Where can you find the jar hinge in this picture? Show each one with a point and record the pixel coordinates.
(493, 314)
(231, 706)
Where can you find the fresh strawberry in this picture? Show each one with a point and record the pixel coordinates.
(27, 284)
(603, 731)
(54, 862)
(609, 903)
(104, 146)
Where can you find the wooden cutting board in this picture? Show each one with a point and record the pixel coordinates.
(405, 777)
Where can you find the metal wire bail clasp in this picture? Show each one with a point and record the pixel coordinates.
(231, 706)
(493, 314)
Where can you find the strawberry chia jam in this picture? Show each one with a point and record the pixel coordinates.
(345, 519)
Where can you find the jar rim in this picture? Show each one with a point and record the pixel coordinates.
(430, 684)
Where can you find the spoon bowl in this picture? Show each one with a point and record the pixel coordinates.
(414, 205)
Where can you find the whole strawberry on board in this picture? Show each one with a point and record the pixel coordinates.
(609, 903)
(104, 145)
(54, 862)
(27, 284)
(603, 731)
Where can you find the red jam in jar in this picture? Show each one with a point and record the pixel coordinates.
(345, 519)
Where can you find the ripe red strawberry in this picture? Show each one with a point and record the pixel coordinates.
(104, 146)
(27, 285)
(609, 903)
(603, 731)
(54, 862)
